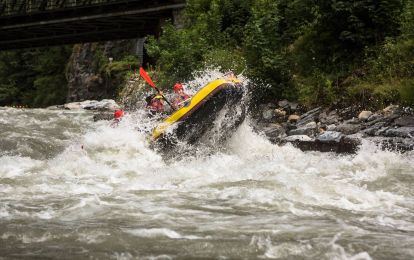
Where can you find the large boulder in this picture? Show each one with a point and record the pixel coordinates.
(364, 115)
(330, 136)
(274, 131)
(329, 118)
(72, 106)
(405, 121)
(302, 138)
(103, 105)
(406, 131)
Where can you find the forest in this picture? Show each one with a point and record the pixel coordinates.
(325, 52)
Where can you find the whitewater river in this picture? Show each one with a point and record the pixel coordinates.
(71, 188)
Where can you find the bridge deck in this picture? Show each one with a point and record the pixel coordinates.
(72, 21)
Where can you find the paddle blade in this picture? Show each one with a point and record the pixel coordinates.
(145, 76)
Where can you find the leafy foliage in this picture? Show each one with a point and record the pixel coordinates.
(313, 51)
(33, 77)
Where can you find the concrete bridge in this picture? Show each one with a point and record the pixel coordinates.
(34, 23)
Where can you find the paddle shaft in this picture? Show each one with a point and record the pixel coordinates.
(166, 100)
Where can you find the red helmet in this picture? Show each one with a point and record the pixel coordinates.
(118, 114)
(177, 87)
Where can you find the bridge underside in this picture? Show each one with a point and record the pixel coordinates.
(121, 20)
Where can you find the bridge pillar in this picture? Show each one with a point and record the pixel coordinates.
(139, 49)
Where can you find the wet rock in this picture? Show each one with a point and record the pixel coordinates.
(330, 136)
(406, 131)
(374, 129)
(105, 105)
(103, 116)
(293, 118)
(405, 121)
(56, 107)
(329, 117)
(309, 129)
(344, 145)
(347, 128)
(352, 121)
(268, 114)
(330, 127)
(309, 116)
(339, 131)
(72, 106)
(364, 115)
(374, 116)
(274, 131)
(393, 143)
(293, 138)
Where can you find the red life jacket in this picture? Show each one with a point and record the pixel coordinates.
(180, 98)
(156, 105)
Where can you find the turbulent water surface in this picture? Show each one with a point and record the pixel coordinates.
(71, 188)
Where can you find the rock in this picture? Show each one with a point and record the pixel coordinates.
(293, 138)
(283, 103)
(330, 127)
(293, 118)
(309, 131)
(56, 107)
(330, 136)
(406, 131)
(390, 110)
(105, 104)
(348, 112)
(268, 114)
(374, 117)
(312, 124)
(274, 131)
(279, 112)
(374, 129)
(85, 80)
(103, 116)
(352, 121)
(382, 130)
(364, 115)
(72, 106)
(347, 128)
(309, 116)
(405, 121)
(293, 106)
(344, 145)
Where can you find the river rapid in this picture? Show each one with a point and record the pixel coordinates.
(71, 188)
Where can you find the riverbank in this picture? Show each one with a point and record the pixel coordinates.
(338, 130)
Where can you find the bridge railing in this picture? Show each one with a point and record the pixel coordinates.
(21, 7)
